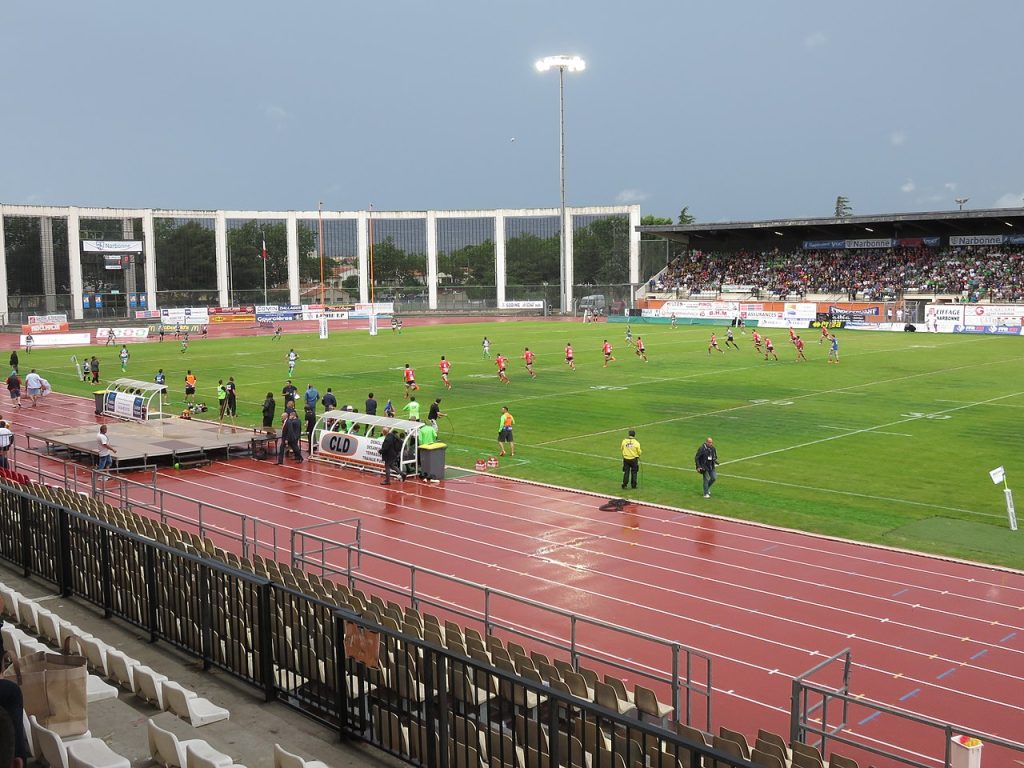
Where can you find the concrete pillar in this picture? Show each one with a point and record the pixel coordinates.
(5, 306)
(149, 246)
(432, 259)
(363, 252)
(568, 230)
(499, 258)
(220, 233)
(75, 262)
(292, 234)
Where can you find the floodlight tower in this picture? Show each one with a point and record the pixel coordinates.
(562, 63)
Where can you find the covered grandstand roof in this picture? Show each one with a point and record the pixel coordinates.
(788, 233)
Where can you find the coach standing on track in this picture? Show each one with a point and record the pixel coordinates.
(630, 458)
(706, 461)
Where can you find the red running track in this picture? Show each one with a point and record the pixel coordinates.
(940, 638)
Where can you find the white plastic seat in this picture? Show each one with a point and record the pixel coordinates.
(47, 625)
(9, 599)
(95, 651)
(148, 685)
(27, 613)
(97, 690)
(119, 668)
(12, 640)
(170, 752)
(188, 706)
(94, 753)
(199, 758)
(285, 759)
(51, 748)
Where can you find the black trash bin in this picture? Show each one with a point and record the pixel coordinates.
(432, 460)
(100, 395)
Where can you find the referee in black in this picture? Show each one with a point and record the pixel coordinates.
(630, 459)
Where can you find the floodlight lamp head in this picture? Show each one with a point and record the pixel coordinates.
(562, 61)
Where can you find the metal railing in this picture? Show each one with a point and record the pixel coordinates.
(689, 670)
(302, 651)
(822, 715)
(306, 545)
(251, 535)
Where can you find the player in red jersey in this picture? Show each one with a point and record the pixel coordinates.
(792, 335)
(641, 350)
(824, 334)
(569, 357)
(528, 359)
(799, 343)
(756, 338)
(502, 362)
(608, 356)
(769, 349)
(410, 381)
(714, 344)
(445, 367)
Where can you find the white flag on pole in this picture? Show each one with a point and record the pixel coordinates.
(998, 475)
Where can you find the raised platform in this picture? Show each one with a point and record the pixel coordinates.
(162, 441)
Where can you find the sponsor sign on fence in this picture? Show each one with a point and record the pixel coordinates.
(199, 315)
(122, 334)
(521, 305)
(45, 328)
(59, 339)
(33, 319)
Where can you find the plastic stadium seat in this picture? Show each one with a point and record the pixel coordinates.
(285, 759)
(119, 668)
(188, 706)
(149, 686)
(168, 751)
(97, 690)
(197, 757)
(55, 752)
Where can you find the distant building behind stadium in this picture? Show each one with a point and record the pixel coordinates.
(92, 263)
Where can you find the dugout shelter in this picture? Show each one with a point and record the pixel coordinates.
(353, 439)
(132, 400)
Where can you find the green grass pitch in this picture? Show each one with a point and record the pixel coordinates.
(893, 445)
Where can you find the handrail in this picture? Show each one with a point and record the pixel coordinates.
(802, 724)
(252, 534)
(680, 677)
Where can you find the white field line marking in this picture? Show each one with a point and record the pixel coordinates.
(755, 405)
(877, 432)
(998, 405)
(533, 540)
(869, 429)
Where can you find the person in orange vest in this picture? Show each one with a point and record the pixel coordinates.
(505, 431)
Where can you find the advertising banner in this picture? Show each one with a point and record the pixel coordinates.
(112, 246)
(870, 242)
(379, 308)
(823, 245)
(198, 315)
(521, 305)
(782, 322)
(122, 334)
(59, 339)
(800, 311)
(1001, 330)
(354, 449)
(951, 313)
(147, 314)
(826, 323)
(993, 314)
(125, 406)
(724, 309)
(189, 328)
(976, 239)
(33, 319)
(45, 328)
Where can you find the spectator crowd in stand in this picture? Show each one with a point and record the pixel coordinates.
(988, 273)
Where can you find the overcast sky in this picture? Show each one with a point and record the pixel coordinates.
(739, 110)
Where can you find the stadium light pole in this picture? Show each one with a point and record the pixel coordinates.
(562, 63)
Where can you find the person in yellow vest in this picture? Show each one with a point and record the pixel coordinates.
(630, 459)
(505, 431)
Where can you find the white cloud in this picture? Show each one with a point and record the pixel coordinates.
(815, 40)
(950, 185)
(627, 196)
(276, 115)
(908, 186)
(898, 138)
(1010, 200)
